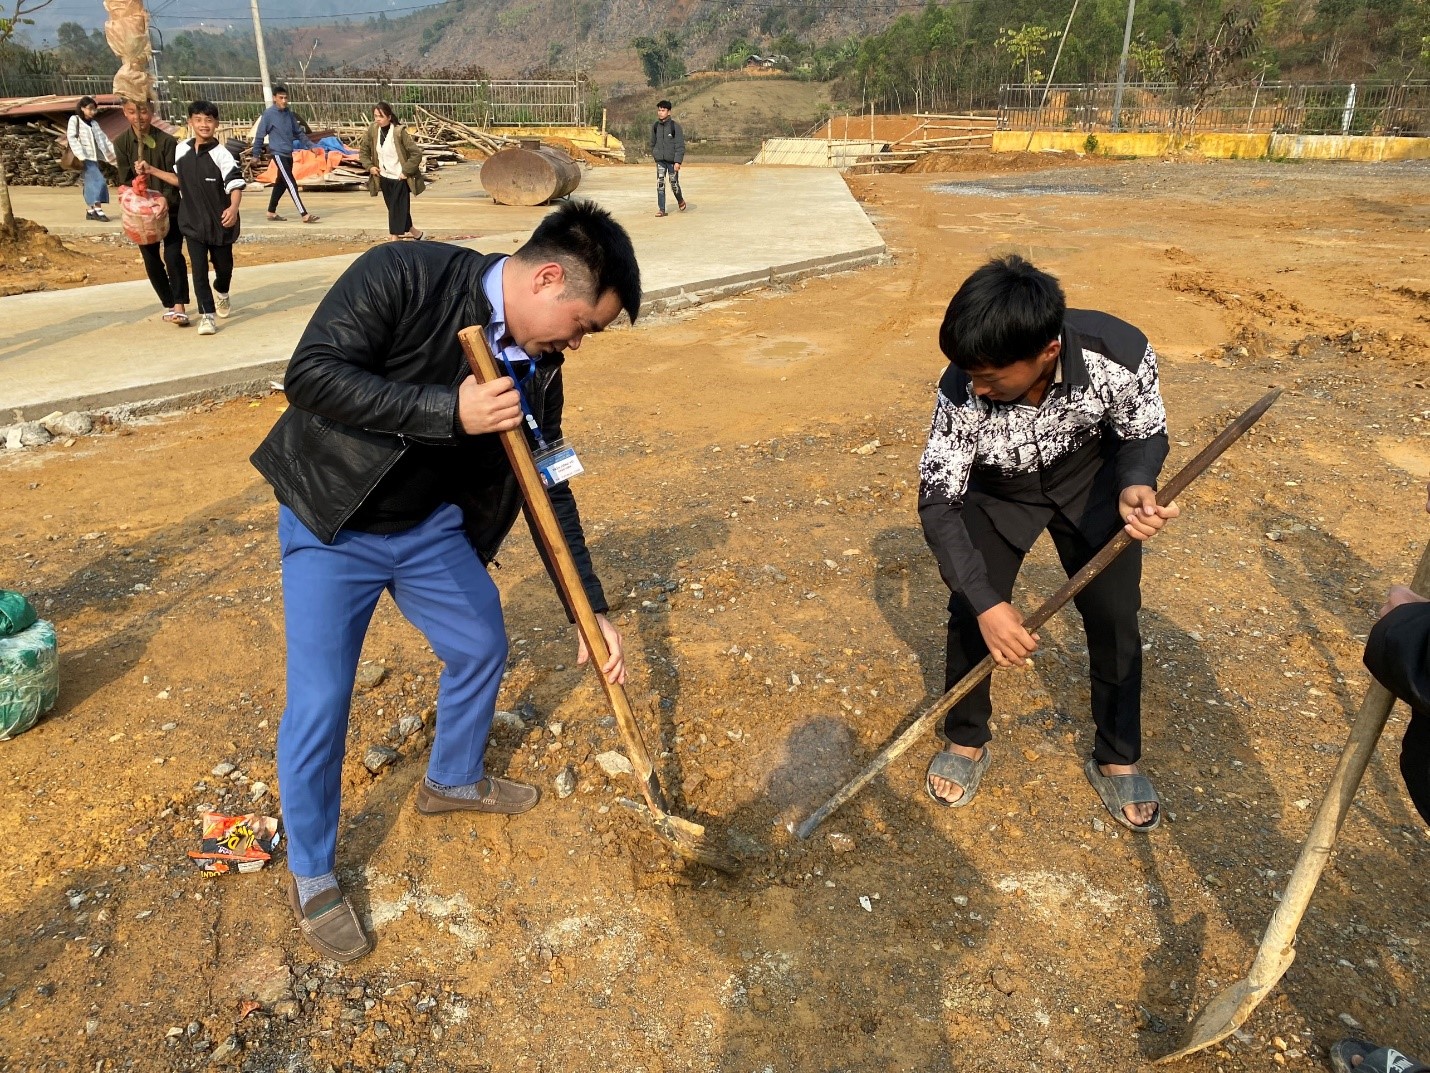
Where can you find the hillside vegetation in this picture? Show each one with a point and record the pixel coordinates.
(942, 56)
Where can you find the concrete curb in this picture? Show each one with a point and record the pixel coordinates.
(168, 396)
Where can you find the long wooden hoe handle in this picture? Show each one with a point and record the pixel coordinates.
(568, 578)
(1335, 805)
(1054, 603)
(1229, 1009)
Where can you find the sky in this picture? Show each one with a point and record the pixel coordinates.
(173, 15)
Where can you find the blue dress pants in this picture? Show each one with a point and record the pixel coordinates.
(329, 592)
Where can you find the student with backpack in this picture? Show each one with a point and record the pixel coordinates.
(90, 145)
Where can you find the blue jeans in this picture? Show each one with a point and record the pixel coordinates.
(662, 169)
(96, 187)
(329, 592)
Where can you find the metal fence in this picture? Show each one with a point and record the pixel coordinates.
(1267, 107)
(326, 102)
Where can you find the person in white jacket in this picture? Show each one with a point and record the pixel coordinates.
(89, 143)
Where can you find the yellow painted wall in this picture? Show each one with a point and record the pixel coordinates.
(1224, 146)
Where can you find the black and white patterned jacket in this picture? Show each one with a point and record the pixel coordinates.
(1100, 428)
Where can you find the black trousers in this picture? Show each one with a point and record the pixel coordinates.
(221, 257)
(1108, 606)
(169, 274)
(1415, 761)
(285, 184)
(398, 196)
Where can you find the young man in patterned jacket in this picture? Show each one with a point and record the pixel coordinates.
(1047, 418)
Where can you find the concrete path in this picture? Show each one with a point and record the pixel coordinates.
(106, 345)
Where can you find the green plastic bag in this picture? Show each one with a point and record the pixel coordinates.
(29, 677)
(16, 613)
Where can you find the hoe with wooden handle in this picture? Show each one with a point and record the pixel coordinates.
(1075, 584)
(688, 837)
(1230, 1009)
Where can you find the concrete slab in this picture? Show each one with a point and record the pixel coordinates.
(106, 346)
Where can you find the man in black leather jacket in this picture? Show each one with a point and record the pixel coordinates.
(388, 478)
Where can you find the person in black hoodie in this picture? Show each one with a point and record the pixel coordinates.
(1047, 418)
(388, 478)
(210, 186)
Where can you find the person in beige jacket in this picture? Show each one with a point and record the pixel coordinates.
(394, 165)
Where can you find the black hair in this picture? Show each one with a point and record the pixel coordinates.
(1007, 311)
(280, 88)
(587, 242)
(85, 102)
(207, 108)
(663, 104)
(386, 109)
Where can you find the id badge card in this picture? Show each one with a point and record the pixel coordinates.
(557, 462)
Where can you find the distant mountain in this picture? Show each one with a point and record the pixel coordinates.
(511, 37)
(171, 16)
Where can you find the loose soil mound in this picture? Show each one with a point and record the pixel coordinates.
(35, 260)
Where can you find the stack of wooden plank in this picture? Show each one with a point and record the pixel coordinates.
(32, 155)
(429, 128)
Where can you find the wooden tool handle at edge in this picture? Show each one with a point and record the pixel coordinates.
(1335, 805)
(568, 577)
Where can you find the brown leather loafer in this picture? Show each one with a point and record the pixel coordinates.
(329, 923)
(498, 795)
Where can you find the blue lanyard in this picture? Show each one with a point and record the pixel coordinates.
(520, 383)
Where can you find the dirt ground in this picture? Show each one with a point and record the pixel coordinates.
(40, 261)
(783, 620)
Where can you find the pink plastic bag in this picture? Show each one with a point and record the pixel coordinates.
(145, 216)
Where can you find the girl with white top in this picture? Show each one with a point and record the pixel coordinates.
(394, 165)
(89, 143)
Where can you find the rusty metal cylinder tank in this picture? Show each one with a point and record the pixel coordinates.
(530, 174)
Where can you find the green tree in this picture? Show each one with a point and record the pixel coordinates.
(660, 58)
(19, 16)
(735, 56)
(1025, 46)
(81, 51)
(1148, 60)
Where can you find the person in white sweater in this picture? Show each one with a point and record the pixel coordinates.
(89, 143)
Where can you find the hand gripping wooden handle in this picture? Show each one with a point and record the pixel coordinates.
(568, 578)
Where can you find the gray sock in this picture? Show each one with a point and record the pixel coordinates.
(471, 791)
(311, 885)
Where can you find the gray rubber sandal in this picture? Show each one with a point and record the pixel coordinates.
(1118, 791)
(1373, 1059)
(960, 770)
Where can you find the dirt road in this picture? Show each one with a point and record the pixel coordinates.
(784, 619)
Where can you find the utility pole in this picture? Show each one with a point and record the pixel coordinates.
(1121, 67)
(262, 57)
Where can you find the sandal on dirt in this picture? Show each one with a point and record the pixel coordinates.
(960, 770)
(329, 923)
(1118, 791)
(1373, 1059)
(311, 218)
(274, 216)
(176, 318)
